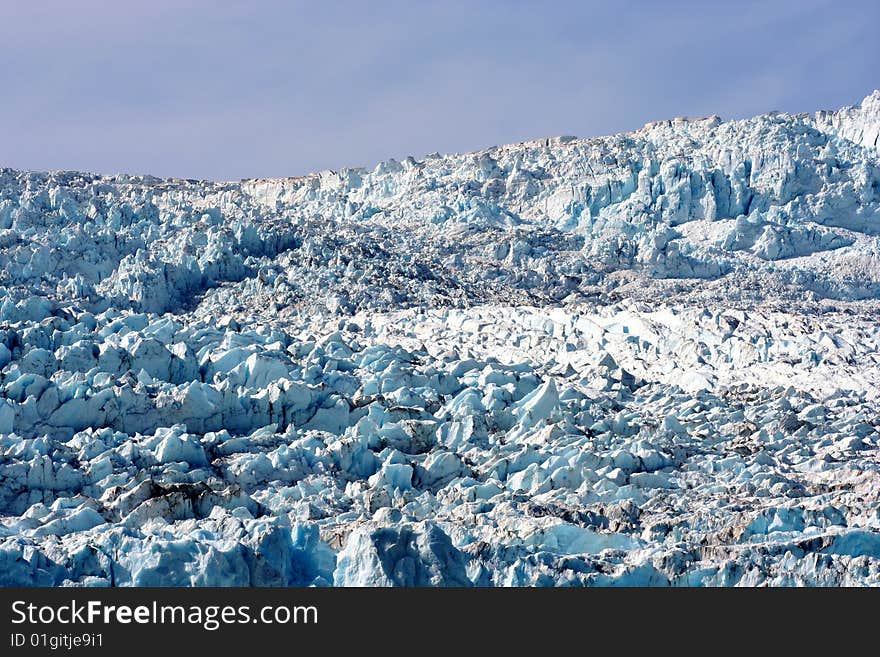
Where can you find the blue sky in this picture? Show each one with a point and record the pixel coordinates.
(225, 90)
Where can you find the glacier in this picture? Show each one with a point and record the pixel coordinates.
(644, 359)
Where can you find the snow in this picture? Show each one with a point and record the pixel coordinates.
(643, 359)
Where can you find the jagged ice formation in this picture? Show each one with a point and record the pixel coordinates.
(650, 358)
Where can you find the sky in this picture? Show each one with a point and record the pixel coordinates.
(227, 90)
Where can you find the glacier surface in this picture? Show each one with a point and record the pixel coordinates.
(644, 359)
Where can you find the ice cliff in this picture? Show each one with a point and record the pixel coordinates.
(650, 358)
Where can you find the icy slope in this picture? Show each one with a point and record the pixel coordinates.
(650, 358)
(858, 124)
(788, 199)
